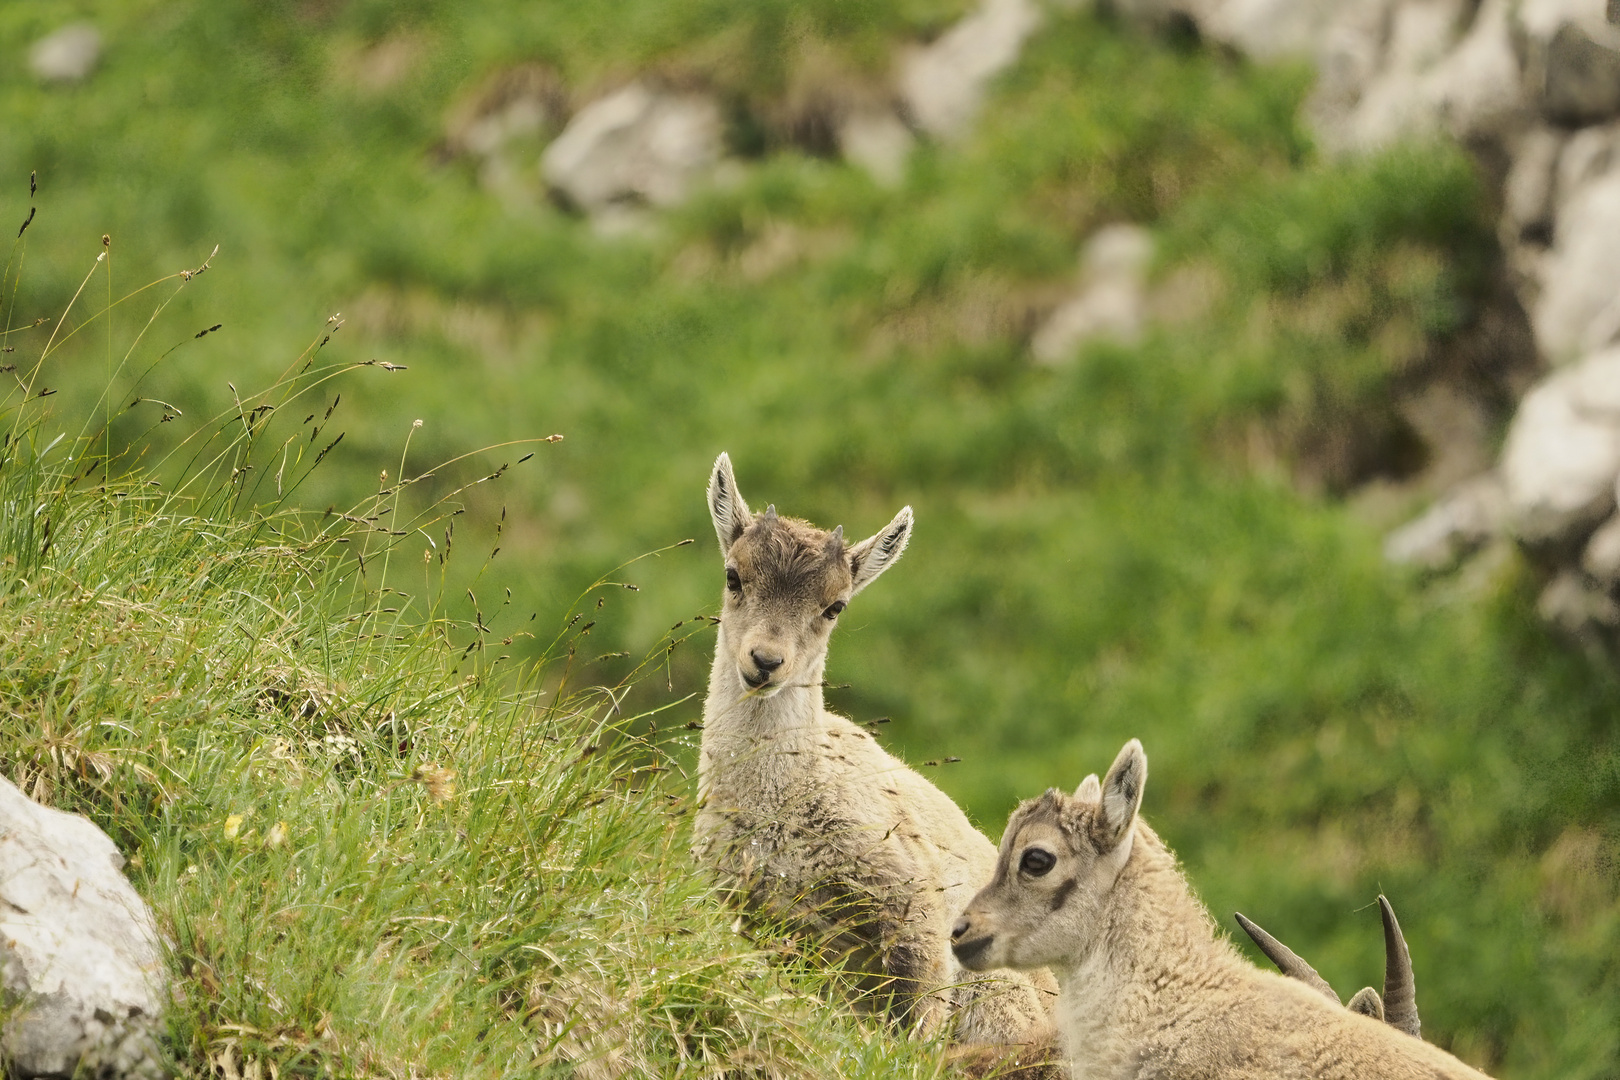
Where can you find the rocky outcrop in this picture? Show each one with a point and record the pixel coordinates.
(80, 961)
(1533, 87)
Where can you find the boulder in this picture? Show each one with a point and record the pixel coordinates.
(636, 145)
(1562, 454)
(1111, 300)
(68, 55)
(877, 141)
(79, 953)
(1463, 520)
(1393, 79)
(1578, 309)
(1527, 193)
(1572, 605)
(1571, 59)
(1476, 88)
(943, 84)
(1601, 557)
(1269, 30)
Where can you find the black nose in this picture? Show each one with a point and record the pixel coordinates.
(764, 661)
(960, 928)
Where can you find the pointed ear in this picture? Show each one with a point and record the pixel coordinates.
(1090, 790)
(726, 504)
(878, 552)
(1121, 797)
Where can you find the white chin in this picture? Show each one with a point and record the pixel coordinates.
(768, 690)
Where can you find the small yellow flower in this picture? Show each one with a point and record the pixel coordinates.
(233, 826)
(277, 835)
(439, 782)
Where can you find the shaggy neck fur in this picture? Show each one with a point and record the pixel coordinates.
(745, 732)
(1155, 943)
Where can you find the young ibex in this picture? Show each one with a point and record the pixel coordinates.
(808, 820)
(1148, 987)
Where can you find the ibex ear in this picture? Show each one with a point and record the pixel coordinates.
(1090, 790)
(878, 552)
(726, 504)
(1121, 797)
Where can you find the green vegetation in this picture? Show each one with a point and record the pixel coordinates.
(371, 855)
(1150, 540)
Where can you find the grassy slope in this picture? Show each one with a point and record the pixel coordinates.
(371, 853)
(1107, 549)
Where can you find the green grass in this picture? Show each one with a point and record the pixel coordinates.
(1149, 541)
(370, 852)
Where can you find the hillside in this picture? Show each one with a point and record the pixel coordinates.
(1175, 539)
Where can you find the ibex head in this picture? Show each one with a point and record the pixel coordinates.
(1060, 856)
(786, 583)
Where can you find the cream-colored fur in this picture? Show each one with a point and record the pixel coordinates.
(808, 819)
(1149, 989)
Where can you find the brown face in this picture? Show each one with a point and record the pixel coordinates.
(1059, 861)
(1041, 872)
(786, 583)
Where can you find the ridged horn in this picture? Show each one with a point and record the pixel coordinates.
(1367, 1003)
(1288, 962)
(1400, 989)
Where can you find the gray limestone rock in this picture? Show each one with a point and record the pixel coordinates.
(1463, 520)
(943, 84)
(636, 145)
(79, 953)
(1272, 29)
(1111, 300)
(1562, 455)
(1578, 309)
(1601, 557)
(878, 142)
(68, 55)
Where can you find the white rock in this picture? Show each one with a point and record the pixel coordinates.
(1562, 455)
(1601, 558)
(1584, 157)
(1462, 520)
(1573, 607)
(1527, 194)
(1111, 300)
(1270, 30)
(878, 142)
(635, 145)
(78, 948)
(1477, 88)
(67, 55)
(1578, 310)
(944, 83)
(1404, 98)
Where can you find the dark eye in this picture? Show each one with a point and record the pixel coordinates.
(733, 582)
(1037, 862)
(833, 609)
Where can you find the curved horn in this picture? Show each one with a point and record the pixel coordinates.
(1288, 962)
(1400, 990)
(1367, 1003)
